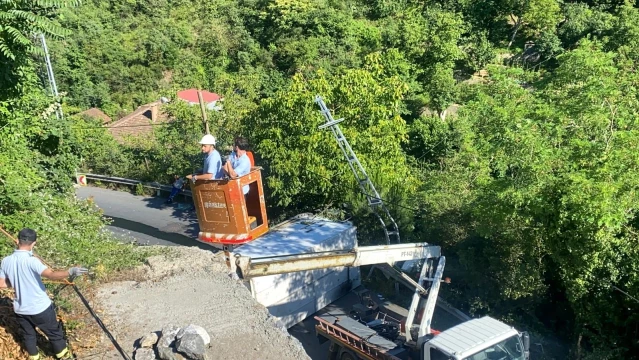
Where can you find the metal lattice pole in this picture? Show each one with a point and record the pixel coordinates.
(375, 202)
(52, 83)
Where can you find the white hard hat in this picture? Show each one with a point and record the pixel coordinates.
(207, 140)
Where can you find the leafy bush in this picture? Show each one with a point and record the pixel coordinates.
(479, 52)
(99, 152)
(39, 157)
(71, 231)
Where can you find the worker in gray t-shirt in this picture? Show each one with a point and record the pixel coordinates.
(23, 271)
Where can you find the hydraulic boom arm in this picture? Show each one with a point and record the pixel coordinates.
(426, 288)
(367, 255)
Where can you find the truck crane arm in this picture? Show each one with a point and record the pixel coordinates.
(367, 255)
(386, 255)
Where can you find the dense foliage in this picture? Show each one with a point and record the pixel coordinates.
(38, 158)
(528, 180)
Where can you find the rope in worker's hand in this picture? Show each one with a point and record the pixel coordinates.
(9, 236)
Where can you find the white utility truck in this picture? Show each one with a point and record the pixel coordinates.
(370, 333)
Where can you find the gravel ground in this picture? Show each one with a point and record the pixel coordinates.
(191, 286)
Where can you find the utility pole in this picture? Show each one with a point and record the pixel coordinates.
(203, 108)
(50, 75)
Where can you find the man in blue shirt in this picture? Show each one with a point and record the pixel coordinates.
(212, 168)
(238, 163)
(22, 271)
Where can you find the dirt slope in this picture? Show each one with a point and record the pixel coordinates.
(192, 286)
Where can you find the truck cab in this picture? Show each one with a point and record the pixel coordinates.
(478, 339)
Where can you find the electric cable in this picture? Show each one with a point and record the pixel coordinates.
(101, 324)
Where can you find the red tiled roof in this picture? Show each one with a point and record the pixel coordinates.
(138, 123)
(190, 95)
(96, 113)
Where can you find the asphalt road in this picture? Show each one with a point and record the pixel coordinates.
(148, 221)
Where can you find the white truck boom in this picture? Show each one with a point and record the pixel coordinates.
(367, 255)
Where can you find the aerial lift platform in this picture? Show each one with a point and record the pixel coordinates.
(226, 216)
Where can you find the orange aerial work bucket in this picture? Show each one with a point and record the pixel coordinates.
(225, 214)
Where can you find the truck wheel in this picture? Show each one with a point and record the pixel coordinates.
(347, 355)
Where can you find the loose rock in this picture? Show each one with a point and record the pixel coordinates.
(194, 329)
(144, 354)
(192, 345)
(167, 353)
(147, 341)
(167, 338)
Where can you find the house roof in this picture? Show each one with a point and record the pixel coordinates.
(190, 96)
(471, 336)
(138, 123)
(96, 113)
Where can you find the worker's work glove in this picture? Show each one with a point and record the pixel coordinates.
(77, 271)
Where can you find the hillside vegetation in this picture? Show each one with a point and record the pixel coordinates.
(505, 131)
(39, 157)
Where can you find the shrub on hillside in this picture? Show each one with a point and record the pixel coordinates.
(38, 157)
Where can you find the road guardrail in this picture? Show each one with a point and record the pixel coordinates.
(131, 182)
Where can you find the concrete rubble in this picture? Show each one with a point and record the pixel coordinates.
(168, 334)
(190, 342)
(169, 353)
(144, 354)
(194, 329)
(149, 340)
(192, 345)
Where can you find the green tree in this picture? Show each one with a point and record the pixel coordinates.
(582, 20)
(39, 160)
(304, 165)
(535, 197)
(430, 39)
(20, 22)
(594, 234)
(478, 51)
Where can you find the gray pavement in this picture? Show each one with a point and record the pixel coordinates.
(146, 220)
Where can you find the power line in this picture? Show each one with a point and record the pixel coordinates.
(623, 292)
(609, 283)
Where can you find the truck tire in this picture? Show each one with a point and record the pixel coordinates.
(347, 355)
